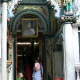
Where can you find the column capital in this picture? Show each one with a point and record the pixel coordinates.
(68, 19)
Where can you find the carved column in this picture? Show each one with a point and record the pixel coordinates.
(0, 51)
(0, 27)
(4, 40)
(69, 70)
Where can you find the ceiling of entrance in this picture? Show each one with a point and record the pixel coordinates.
(27, 46)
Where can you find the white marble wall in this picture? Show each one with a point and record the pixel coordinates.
(76, 52)
(69, 70)
(0, 51)
(0, 30)
(0, 12)
(4, 41)
(76, 44)
(0, 40)
(0, 68)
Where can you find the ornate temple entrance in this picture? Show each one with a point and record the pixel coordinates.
(38, 41)
(56, 21)
(32, 44)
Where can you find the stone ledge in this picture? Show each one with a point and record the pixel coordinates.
(77, 67)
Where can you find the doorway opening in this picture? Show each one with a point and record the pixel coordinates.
(27, 50)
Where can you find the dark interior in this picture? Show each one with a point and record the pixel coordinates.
(26, 53)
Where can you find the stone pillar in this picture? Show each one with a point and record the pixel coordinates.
(0, 51)
(69, 70)
(4, 41)
(0, 40)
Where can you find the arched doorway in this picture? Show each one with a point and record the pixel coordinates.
(35, 45)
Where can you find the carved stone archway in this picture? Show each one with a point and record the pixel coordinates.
(34, 12)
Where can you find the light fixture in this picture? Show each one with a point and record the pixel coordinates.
(24, 43)
(21, 55)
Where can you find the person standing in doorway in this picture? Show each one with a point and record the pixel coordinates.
(37, 70)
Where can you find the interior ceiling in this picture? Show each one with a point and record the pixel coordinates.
(27, 49)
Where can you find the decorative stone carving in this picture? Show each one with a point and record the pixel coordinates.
(57, 47)
(76, 7)
(59, 2)
(68, 19)
(67, 8)
(57, 8)
(9, 62)
(11, 7)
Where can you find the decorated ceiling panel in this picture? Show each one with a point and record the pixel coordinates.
(40, 9)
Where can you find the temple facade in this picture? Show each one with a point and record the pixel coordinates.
(48, 29)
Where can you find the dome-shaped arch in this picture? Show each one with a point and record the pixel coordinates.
(30, 11)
